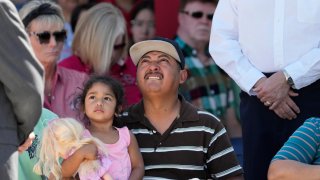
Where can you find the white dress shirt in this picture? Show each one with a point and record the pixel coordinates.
(249, 37)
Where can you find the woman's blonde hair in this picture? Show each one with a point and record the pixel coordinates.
(95, 36)
(61, 136)
(46, 19)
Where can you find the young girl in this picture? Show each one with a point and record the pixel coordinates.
(101, 102)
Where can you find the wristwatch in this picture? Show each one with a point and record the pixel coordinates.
(288, 78)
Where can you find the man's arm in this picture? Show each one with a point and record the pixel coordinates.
(225, 48)
(293, 170)
(295, 159)
(227, 165)
(20, 72)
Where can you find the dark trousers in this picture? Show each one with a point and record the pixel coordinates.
(264, 132)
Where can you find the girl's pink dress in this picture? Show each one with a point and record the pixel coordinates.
(120, 167)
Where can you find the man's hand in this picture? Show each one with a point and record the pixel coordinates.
(275, 93)
(27, 143)
(287, 109)
(273, 90)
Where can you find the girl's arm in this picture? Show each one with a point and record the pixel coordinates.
(137, 165)
(70, 166)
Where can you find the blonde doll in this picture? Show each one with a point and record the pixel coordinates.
(61, 138)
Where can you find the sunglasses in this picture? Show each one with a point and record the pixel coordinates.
(44, 37)
(198, 15)
(119, 46)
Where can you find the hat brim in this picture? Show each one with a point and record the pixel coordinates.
(141, 48)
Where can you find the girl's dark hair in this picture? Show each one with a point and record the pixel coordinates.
(112, 83)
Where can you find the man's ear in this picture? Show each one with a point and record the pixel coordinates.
(183, 75)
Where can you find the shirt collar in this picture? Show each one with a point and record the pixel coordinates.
(187, 112)
(188, 50)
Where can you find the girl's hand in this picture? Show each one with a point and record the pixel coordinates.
(89, 151)
(70, 166)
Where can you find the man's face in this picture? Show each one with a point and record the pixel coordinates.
(158, 73)
(194, 21)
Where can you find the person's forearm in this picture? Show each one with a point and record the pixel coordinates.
(137, 173)
(291, 170)
(70, 166)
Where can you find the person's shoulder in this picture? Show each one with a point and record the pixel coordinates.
(207, 116)
(313, 121)
(72, 74)
(196, 114)
(70, 62)
(46, 113)
(123, 129)
(209, 120)
(45, 118)
(132, 109)
(130, 115)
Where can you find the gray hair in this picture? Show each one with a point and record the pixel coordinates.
(46, 19)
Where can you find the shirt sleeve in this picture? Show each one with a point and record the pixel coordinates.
(305, 71)
(225, 49)
(303, 144)
(221, 160)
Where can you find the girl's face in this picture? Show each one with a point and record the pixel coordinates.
(100, 103)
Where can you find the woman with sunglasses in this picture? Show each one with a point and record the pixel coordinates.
(43, 21)
(100, 47)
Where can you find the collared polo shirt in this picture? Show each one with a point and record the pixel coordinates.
(66, 86)
(196, 145)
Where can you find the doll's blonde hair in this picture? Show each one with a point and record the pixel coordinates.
(61, 136)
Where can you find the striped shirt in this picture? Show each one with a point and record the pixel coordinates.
(195, 145)
(303, 144)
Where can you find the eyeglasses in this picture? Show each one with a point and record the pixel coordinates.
(44, 37)
(119, 46)
(198, 15)
(140, 23)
